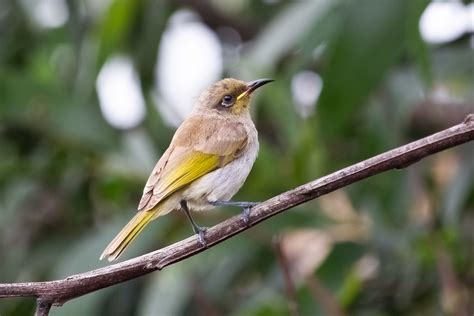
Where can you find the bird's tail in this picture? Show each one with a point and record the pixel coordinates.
(127, 235)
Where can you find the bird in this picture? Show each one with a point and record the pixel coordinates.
(207, 162)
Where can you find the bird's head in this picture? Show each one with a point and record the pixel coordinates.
(230, 96)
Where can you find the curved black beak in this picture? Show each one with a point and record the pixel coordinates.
(254, 85)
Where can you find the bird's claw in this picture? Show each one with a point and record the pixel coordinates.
(245, 205)
(246, 215)
(201, 232)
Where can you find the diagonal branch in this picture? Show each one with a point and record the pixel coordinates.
(60, 291)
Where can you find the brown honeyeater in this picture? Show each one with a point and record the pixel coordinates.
(206, 163)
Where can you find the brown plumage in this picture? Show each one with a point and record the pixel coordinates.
(200, 134)
(208, 159)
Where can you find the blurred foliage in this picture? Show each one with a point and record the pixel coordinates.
(400, 243)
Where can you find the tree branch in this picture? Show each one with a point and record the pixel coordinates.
(60, 291)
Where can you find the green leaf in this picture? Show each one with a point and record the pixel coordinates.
(117, 26)
(369, 42)
(279, 37)
(417, 48)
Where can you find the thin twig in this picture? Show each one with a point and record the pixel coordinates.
(454, 296)
(42, 307)
(321, 294)
(289, 286)
(60, 291)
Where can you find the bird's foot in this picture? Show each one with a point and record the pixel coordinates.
(201, 232)
(247, 206)
(246, 215)
(198, 230)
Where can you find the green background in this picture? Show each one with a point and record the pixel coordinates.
(400, 243)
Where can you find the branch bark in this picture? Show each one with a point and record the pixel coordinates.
(59, 291)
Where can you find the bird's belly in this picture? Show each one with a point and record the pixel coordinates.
(221, 184)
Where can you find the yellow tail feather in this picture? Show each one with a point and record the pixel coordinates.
(127, 235)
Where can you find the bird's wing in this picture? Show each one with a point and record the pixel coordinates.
(200, 145)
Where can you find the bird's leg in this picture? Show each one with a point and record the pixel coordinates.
(245, 205)
(200, 231)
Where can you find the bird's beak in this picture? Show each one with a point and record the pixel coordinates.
(253, 85)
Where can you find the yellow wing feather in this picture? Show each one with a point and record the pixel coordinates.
(197, 165)
(179, 174)
(126, 235)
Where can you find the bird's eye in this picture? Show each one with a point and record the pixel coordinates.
(228, 100)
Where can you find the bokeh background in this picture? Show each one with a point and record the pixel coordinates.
(92, 91)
